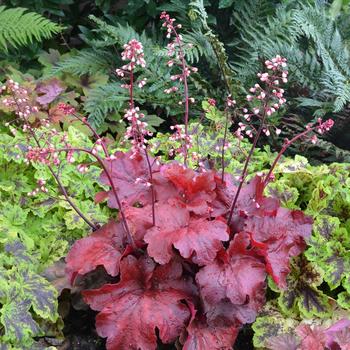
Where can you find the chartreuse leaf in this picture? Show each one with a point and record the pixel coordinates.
(286, 194)
(24, 292)
(344, 300)
(298, 164)
(90, 210)
(276, 331)
(11, 222)
(13, 181)
(18, 322)
(212, 113)
(329, 249)
(41, 293)
(302, 296)
(271, 323)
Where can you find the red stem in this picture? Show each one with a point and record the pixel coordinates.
(283, 149)
(244, 172)
(114, 190)
(97, 136)
(223, 148)
(184, 69)
(131, 103)
(63, 190)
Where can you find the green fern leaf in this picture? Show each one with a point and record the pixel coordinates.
(20, 28)
(85, 62)
(103, 100)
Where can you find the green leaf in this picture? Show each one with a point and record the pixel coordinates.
(286, 194)
(18, 28)
(91, 210)
(344, 300)
(225, 3)
(301, 295)
(18, 323)
(271, 323)
(42, 295)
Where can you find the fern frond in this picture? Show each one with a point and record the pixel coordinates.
(85, 62)
(103, 100)
(20, 28)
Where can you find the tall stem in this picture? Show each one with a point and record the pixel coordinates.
(223, 148)
(59, 183)
(131, 103)
(186, 97)
(280, 153)
(63, 190)
(245, 168)
(114, 190)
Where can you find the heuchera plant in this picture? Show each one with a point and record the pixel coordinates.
(192, 248)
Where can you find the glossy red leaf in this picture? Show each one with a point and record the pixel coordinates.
(130, 176)
(146, 298)
(187, 180)
(196, 238)
(311, 338)
(251, 200)
(201, 336)
(196, 190)
(139, 220)
(233, 286)
(279, 238)
(125, 172)
(103, 247)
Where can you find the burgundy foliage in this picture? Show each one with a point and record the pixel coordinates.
(192, 276)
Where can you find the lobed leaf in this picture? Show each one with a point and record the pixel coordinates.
(103, 247)
(155, 293)
(233, 286)
(199, 239)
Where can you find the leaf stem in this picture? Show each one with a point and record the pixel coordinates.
(223, 147)
(286, 144)
(244, 172)
(114, 190)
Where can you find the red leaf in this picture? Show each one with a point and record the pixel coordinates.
(146, 298)
(204, 337)
(196, 190)
(49, 91)
(187, 180)
(283, 342)
(101, 196)
(234, 287)
(124, 171)
(130, 177)
(279, 238)
(199, 238)
(103, 247)
(311, 339)
(139, 220)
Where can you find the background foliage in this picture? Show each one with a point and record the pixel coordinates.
(230, 41)
(77, 44)
(36, 232)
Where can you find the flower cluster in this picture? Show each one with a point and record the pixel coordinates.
(320, 127)
(176, 56)
(175, 50)
(18, 101)
(133, 52)
(66, 109)
(265, 98)
(137, 130)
